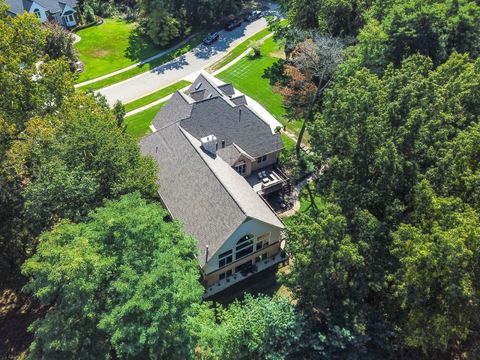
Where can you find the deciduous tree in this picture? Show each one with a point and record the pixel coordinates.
(122, 284)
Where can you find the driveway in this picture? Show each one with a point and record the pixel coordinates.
(195, 60)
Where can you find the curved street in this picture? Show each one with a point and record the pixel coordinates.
(195, 60)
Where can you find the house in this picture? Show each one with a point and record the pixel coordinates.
(213, 146)
(63, 11)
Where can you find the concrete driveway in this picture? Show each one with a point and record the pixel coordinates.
(195, 60)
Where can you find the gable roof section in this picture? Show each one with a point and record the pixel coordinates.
(177, 108)
(203, 192)
(202, 82)
(236, 124)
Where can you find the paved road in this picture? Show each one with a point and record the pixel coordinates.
(195, 60)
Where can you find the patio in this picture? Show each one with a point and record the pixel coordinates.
(267, 180)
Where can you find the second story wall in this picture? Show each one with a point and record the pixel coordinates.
(266, 160)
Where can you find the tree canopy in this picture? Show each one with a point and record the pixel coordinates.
(123, 282)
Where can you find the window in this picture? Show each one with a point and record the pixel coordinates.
(229, 273)
(225, 258)
(223, 144)
(37, 13)
(241, 168)
(262, 159)
(222, 276)
(70, 18)
(244, 246)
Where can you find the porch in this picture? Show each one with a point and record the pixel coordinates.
(238, 277)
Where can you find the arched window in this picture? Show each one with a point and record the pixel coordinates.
(37, 13)
(244, 246)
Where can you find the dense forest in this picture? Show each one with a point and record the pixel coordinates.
(384, 265)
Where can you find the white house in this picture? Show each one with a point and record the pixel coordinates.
(63, 12)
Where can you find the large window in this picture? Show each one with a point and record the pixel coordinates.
(37, 13)
(244, 246)
(240, 168)
(225, 258)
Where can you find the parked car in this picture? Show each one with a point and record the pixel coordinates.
(232, 24)
(253, 15)
(77, 67)
(211, 38)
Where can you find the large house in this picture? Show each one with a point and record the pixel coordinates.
(61, 11)
(217, 150)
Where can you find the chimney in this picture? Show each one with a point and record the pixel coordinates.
(209, 144)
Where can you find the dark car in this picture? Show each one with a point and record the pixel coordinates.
(253, 15)
(211, 38)
(232, 24)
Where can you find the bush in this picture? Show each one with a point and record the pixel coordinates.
(256, 47)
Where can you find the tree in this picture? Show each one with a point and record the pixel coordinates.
(121, 284)
(257, 328)
(59, 42)
(316, 59)
(437, 280)
(434, 28)
(334, 278)
(23, 59)
(339, 18)
(64, 165)
(119, 112)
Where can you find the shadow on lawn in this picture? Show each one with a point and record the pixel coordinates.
(140, 46)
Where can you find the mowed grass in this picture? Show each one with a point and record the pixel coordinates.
(247, 76)
(138, 124)
(108, 47)
(189, 45)
(238, 50)
(156, 95)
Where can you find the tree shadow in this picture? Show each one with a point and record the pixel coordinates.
(140, 46)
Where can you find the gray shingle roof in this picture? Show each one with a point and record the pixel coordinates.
(18, 6)
(203, 83)
(53, 6)
(230, 120)
(234, 124)
(203, 192)
(229, 154)
(177, 108)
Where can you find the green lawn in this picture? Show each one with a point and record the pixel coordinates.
(246, 76)
(156, 95)
(138, 124)
(111, 46)
(238, 50)
(289, 143)
(193, 42)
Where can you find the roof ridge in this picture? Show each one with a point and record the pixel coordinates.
(185, 132)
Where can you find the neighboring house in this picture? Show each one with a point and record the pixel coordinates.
(63, 12)
(216, 150)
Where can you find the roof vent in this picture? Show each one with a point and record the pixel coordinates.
(209, 144)
(209, 96)
(198, 86)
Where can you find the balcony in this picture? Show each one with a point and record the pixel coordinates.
(259, 266)
(267, 180)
